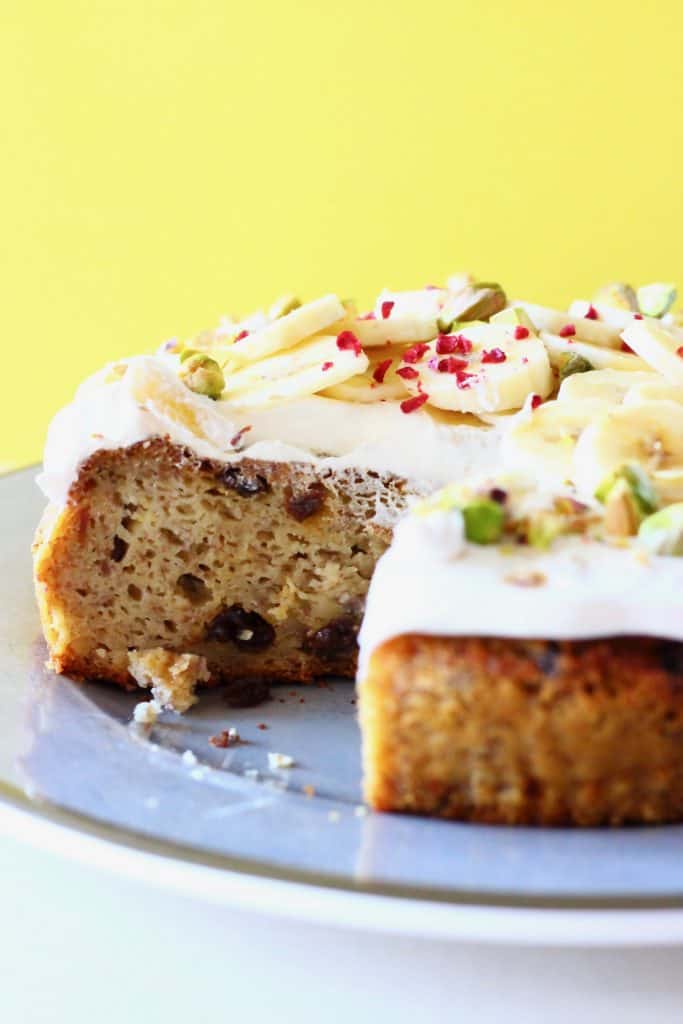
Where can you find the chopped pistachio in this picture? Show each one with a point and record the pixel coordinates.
(617, 295)
(574, 363)
(662, 532)
(187, 353)
(478, 302)
(637, 482)
(516, 317)
(656, 299)
(285, 304)
(202, 375)
(483, 521)
(544, 528)
(622, 511)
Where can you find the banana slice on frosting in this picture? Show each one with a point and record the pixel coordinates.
(611, 386)
(649, 435)
(659, 347)
(484, 368)
(600, 358)
(286, 331)
(541, 441)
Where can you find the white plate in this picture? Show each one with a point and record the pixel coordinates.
(77, 779)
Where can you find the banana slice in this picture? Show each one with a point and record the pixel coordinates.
(379, 383)
(496, 371)
(649, 434)
(552, 320)
(615, 318)
(660, 347)
(654, 390)
(315, 352)
(405, 329)
(611, 386)
(422, 302)
(542, 441)
(303, 380)
(286, 331)
(599, 357)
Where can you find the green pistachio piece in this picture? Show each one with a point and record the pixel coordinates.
(636, 482)
(662, 532)
(202, 374)
(483, 521)
(285, 304)
(478, 302)
(515, 316)
(187, 353)
(622, 511)
(618, 296)
(544, 528)
(574, 363)
(656, 299)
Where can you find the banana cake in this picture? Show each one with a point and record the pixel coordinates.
(218, 510)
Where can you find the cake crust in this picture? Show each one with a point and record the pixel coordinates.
(530, 732)
(260, 567)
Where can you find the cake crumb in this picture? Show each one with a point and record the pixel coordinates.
(333, 816)
(172, 677)
(526, 579)
(251, 773)
(225, 738)
(309, 791)
(276, 761)
(360, 811)
(189, 759)
(146, 713)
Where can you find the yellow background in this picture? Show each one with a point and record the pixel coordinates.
(163, 163)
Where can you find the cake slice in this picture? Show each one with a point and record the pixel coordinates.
(525, 665)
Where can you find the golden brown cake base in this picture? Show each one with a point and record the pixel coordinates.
(525, 732)
(259, 567)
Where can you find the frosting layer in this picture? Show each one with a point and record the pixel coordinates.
(143, 398)
(578, 589)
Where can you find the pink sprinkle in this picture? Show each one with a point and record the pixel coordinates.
(567, 331)
(411, 404)
(386, 308)
(368, 316)
(449, 343)
(415, 353)
(381, 371)
(241, 335)
(494, 355)
(327, 366)
(347, 341)
(637, 316)
(451, 365)
(521, 332)
(407, 372)
(535, 401)
(591, 313)
(626, 348)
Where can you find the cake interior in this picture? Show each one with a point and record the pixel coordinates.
(260, 567)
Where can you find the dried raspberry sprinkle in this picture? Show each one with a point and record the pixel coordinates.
(637, 316)
(499, 495)
(591, 313)
(411, 404)
(521, 332)
(451, 365)
(407, 372)
(535, 401)
(494, 355)
(368, 316)
(380, 371)
(241, 335)
(626, 348)
(415, 353)
(386, 309)
(262, 725)
(327, 366)
(464, 380)
(567, 331)
(679, 351)
(448, 343)
(347, 341)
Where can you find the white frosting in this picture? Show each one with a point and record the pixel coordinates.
(143, 398)
(589, 589)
